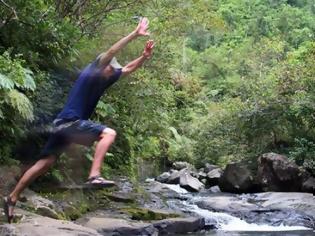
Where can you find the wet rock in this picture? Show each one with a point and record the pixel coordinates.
(238, 178)
(112, 226)
(277, 173)
(213, 176)
(163, 178)
(309, 185)
(179, 165)
(179, 225)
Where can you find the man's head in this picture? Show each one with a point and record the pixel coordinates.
(110, 69)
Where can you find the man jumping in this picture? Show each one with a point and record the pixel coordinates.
(72, 124)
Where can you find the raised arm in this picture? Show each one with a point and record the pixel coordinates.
(135, 64)
(141, 30)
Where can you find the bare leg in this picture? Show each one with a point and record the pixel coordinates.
(39, 168)
(107, 138)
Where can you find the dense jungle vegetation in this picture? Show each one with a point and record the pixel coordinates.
(229, 79)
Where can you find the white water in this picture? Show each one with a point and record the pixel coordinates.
(226, 222)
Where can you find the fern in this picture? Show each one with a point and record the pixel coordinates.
(5, 82)
(21, 103)
(14, 75)
(28, 82)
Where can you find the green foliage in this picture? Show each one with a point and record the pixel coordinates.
(229, 79)
(15, 83)
(303, 153)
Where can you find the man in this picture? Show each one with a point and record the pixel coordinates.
(72, 124)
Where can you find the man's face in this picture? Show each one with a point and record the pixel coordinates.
(108, 71)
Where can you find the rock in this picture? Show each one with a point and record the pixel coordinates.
(175, 176)
(185, 180)
(7, 179)
(164, 190)
(190, 183)
(39, 226)
(39, 204)
(112, 226)
(238, 178)
(272, 208)
(121, 197)
(149, 214)
(163, 178)
(194, 174)
(231, 204)
(209, 167)
(213, 176)
(204, 181)
(46, 211)
(179, 225)
(302, 202)
(179, 165)
(202, 175)
(215, 189)
(277, 173)
(309, 185)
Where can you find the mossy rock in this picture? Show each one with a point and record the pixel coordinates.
(148, 214)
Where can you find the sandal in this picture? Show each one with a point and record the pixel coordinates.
(99, 181)
(7, 206)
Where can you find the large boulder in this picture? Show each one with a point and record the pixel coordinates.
(277, 173)
(238, 178)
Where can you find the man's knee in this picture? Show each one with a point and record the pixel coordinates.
(109, 132)
(47, 161)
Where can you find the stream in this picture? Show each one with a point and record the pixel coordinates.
(226, 224)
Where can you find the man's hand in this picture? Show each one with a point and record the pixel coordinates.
(142, 27)
(148, 49)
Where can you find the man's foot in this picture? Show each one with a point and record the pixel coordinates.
(98, 181)
(8, 207)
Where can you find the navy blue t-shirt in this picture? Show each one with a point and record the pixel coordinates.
(86, 92)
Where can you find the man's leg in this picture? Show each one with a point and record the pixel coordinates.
(39, 168)
(107, 138)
